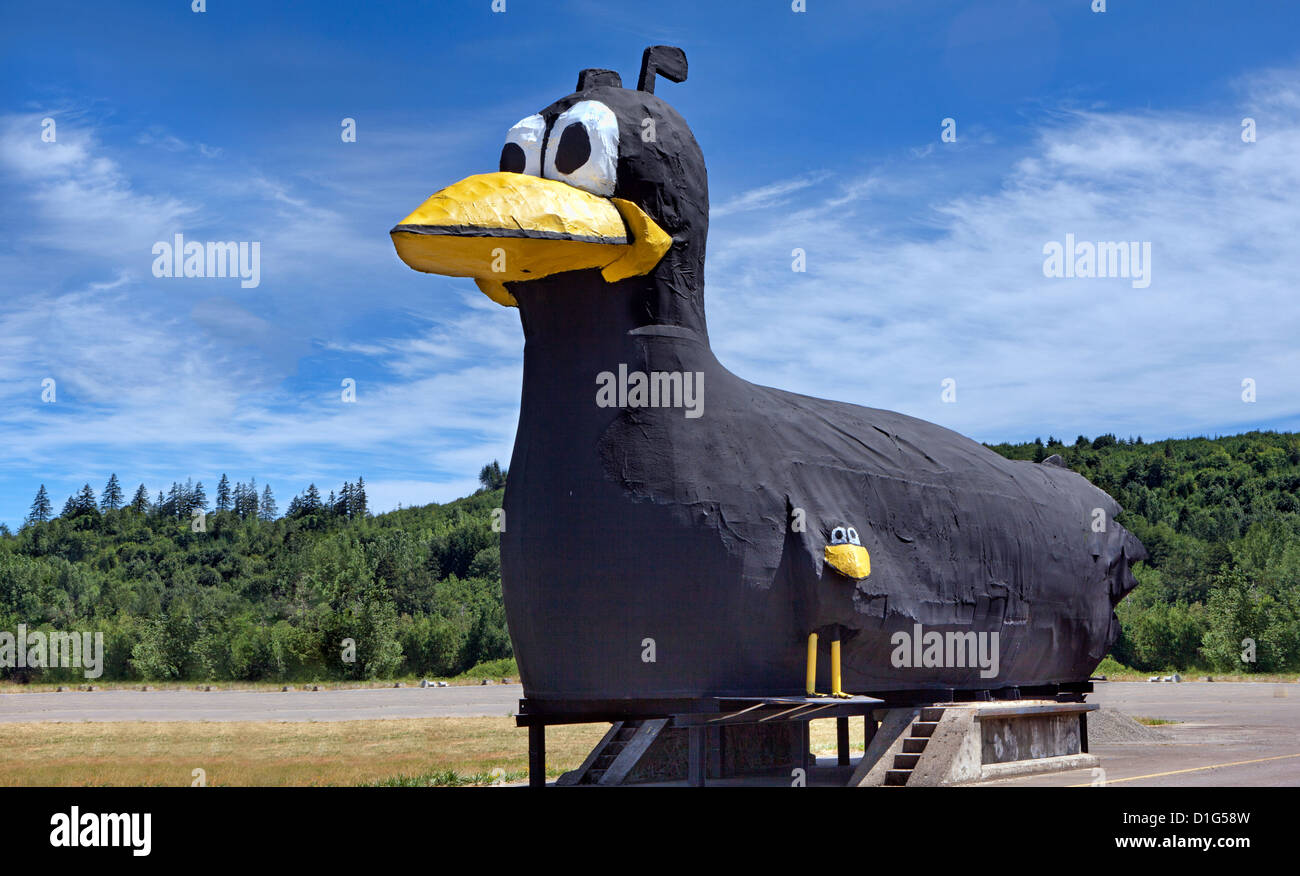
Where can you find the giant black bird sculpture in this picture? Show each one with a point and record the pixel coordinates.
(672, 530)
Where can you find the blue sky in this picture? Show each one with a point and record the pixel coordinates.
(821, 131)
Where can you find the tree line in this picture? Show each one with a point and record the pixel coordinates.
(187, 499)
(328, 590)
(257, 596)
(1221, 520)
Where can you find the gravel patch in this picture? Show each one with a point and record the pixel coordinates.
(1107, 725)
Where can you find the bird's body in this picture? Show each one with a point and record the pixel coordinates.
(628, 524)
(667, 550)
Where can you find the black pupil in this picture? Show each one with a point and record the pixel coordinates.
(575, 148)
(512, 158)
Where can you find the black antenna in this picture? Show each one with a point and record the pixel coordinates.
(594, 77)
(667, 61)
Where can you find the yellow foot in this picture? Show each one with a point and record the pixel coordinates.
(842, 695)
(820, 696)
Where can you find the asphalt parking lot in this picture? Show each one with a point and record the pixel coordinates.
(460, 701)
(1226, 735)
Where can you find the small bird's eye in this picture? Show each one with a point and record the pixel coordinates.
(583, 148)
(837, 535)
(522, 152)
(853, 537)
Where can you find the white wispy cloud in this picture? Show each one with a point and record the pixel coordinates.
(765, 197)
(913, 277)
(882, 317)
(79, 198)
(158, 379)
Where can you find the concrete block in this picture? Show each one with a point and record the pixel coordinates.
(974, 742)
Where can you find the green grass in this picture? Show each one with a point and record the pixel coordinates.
(421, 752)
(504, 668)
(1153, 722)
(452, 779)
(1116, 671)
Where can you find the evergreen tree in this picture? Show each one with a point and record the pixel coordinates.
(185, 499)
(82, 503)
(268, 509)
(85, 501)
(41, 507)
(311, 501)
(223, 493)
(160, 505)
(344, 504)
(360, 505)
(199, 498)
(245, 499)
(140, 501)
(492, 477)
(111, 499)
(332, 503)
(249, 508)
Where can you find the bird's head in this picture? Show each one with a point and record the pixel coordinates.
(846, 555)
(607, 180)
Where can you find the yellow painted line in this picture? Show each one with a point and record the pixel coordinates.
(1213, 766)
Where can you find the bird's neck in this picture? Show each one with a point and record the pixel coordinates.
(578, 329)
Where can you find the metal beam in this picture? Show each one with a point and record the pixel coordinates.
(537, 755)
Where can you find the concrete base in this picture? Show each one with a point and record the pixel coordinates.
(972, 742)
(1061, 764)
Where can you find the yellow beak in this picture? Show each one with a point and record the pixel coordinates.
(851, 560)
(506, 227)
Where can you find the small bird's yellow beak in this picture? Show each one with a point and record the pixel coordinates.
(507, 227)
(851, 560)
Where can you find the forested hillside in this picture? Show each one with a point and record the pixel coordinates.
(1221, 519)
(253, 595)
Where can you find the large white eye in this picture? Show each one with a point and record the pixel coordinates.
(853, 537)
(523, 150)
(583, 147)
(837, 535)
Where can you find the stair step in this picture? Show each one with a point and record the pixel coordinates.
(924, 728)
(633, 734)
(906, 761)
(915, 744)
(897, 777)
(932, 713)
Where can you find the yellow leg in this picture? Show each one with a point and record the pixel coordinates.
(812, 664)
(836, 689)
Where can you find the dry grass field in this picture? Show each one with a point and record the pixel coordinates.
(416, 751)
